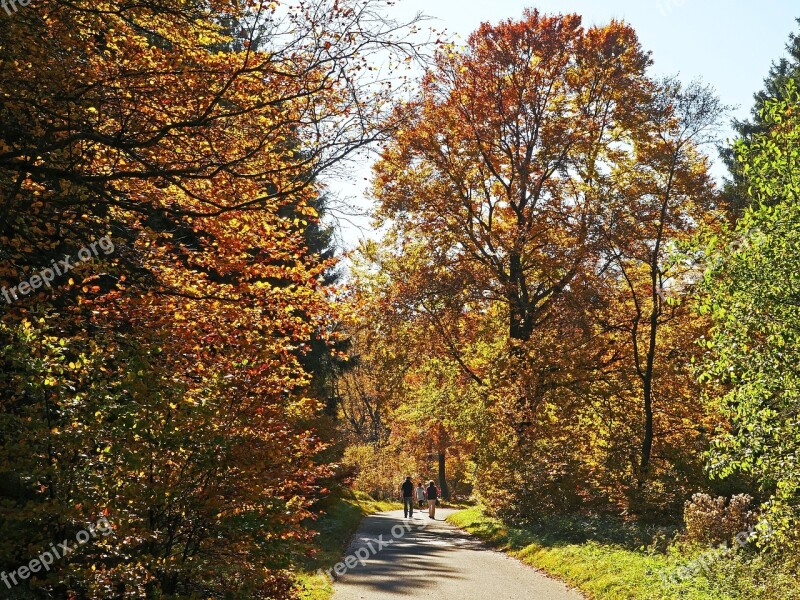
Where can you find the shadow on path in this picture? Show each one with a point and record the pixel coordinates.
(425, 559)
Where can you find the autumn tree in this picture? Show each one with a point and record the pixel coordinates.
(405, 375)
(658, 198)
(162, 383)
(497, 170)
(537, 168)
(497, 163)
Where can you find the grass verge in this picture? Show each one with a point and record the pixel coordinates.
(608, 560)
(335, 528)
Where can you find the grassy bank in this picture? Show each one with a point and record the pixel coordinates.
(335, 528)
(611, 560)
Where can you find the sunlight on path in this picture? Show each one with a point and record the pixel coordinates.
(435, 559)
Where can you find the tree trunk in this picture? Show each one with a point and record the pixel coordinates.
(647, 441)
(442, 478)
(520, 325)
(655, 312)
(647, 380)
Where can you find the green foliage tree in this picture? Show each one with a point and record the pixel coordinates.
(752, 295)
(782, 72)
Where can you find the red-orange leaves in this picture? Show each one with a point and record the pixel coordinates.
(498, 167)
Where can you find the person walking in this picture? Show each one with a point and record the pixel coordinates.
(408, 497)
(433, 495)
(420, 494)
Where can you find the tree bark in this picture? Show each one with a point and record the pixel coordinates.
(442, 478)
(520, 323)
(647, 381)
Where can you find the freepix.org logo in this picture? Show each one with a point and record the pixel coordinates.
(12, 6)
(46, 559)
(362, 554)
(46, 276)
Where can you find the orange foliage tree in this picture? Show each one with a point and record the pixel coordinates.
(405, 379)
(161, 383)
(536, 168)
(657, 198)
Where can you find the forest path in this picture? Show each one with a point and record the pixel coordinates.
(393, 557)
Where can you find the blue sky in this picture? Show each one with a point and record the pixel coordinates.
(728, 44)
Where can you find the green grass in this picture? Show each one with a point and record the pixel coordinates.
(335, 528)
(612, 560)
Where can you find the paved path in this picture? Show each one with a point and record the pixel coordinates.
(433, 559)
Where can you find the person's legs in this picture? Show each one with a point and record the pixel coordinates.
(408, 506)
(432, 509)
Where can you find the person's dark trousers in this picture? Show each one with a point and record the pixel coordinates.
(408, 506)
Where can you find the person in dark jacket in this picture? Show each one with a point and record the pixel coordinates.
(433, 494)
(408, 497)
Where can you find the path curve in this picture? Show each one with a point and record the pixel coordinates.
(392, 557)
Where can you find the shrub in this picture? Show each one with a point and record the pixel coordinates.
(712, 521)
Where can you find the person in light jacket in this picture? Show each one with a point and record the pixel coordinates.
(420, 494)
